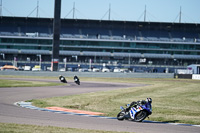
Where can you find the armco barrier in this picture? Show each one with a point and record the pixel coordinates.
(183, 76)
(89, 74)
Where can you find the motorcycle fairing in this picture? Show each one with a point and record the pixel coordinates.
(122, 108)
(133, 111)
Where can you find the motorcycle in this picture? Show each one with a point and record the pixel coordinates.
(77, 81)
(62, 79)
(137, 113)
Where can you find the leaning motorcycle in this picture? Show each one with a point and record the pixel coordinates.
(137, 113)
(62, 79)
(77, 81)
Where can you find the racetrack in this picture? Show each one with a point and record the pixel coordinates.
(9, 113)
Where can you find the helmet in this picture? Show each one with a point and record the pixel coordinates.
(149, 100)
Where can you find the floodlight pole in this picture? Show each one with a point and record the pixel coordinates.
(145, 13)
(109, 12)
(1, 9)
(74, 11)
(56, 36)
(37, 9)
(180, 15)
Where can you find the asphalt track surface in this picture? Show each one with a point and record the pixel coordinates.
(9, 113)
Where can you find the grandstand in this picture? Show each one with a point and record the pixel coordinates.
(128, 43)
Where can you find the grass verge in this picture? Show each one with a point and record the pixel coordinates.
(21, 128)
(174, 100)
(17, 83)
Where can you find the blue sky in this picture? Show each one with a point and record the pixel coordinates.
(125, 10)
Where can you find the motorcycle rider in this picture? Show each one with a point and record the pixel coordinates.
(62, 78)
(140, 102)
(76, 78)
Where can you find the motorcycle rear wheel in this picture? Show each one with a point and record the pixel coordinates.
(120, 116)
(140, 116)
(77, 82)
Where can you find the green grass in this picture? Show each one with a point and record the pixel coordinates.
(20, 128)
(17, 83)
(174, 100)
(28, 77)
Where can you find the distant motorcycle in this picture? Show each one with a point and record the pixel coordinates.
(62, 79)
(137, 113)
(76, 80)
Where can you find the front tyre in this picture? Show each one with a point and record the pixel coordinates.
(140, 116)
(121, 115)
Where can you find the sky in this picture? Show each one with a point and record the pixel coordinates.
(124, 10)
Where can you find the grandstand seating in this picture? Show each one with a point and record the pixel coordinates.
(166, 56)
(105, 39)
(73, 53)
(127, 54)
(44, 52)
(88, 53)
(102, 29)
(186, 56)
(8, 50)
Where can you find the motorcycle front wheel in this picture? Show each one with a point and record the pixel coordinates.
(120, 116)
(140, 116)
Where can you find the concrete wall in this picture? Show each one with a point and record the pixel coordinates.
(89, 74)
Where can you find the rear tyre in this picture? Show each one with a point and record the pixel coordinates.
(120, 116)
(77, 82)
(140, 116)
